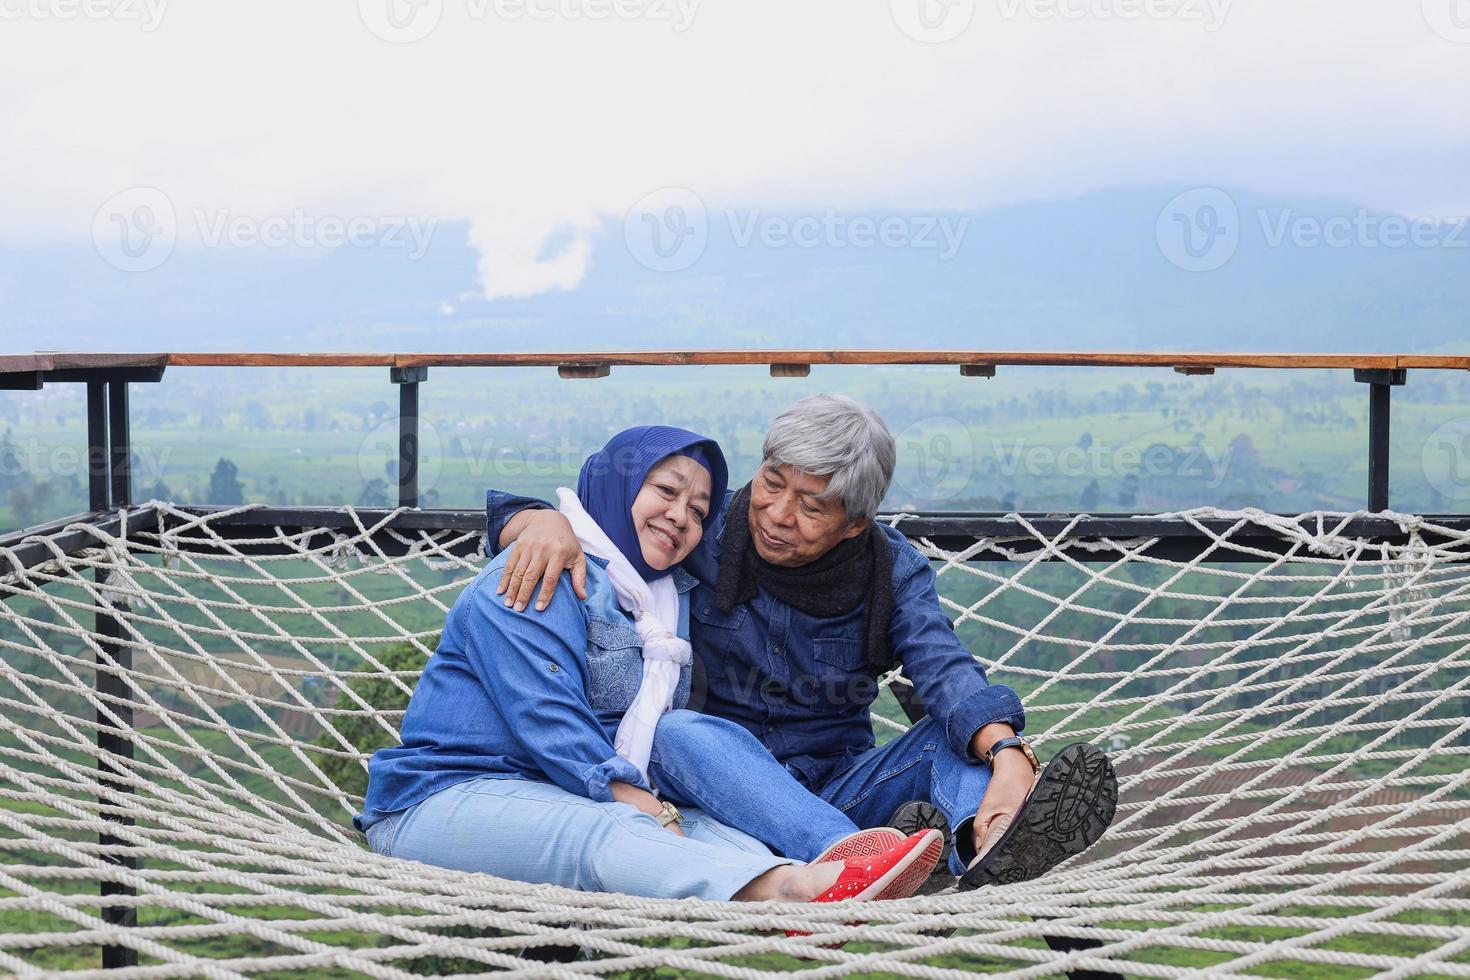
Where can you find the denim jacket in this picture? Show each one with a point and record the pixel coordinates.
(800, 683)
(521, 695)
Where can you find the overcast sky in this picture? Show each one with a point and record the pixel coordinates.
(537, 119)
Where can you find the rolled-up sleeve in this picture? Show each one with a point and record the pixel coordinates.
(533, 670)
(948, 679)
(501, 507)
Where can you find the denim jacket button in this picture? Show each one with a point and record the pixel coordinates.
(553, 668)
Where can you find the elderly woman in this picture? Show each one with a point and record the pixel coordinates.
(526, 747)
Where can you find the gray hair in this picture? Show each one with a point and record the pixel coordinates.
(832, 435)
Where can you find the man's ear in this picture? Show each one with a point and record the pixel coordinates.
(855, 528)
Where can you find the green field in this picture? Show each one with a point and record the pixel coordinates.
(1030, 439)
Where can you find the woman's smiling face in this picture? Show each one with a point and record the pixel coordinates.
(669, 511)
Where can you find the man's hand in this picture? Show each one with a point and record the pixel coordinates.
(545, 547)
(1011, 778)
(1010, 781)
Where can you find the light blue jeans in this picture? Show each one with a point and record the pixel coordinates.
(540, 833)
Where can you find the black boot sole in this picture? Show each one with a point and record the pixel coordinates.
(917, 815)
(1071, 806)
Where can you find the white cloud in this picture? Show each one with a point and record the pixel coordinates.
(513, 248)
(537, 129)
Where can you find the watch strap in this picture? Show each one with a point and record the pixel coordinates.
(1011, 742)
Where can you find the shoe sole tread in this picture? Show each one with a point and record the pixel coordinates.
(860, 844)
(918, 815)
(1069, 810)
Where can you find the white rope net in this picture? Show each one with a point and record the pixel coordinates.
(1290, 737)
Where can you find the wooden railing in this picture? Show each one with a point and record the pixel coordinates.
(50, 362)
(107, 406)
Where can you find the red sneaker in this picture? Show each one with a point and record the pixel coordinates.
(864, 843)
(896, 873)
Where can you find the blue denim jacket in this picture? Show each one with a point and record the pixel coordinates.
(527, 695)
(800, 683)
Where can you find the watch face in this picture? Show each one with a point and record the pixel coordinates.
(1031, 756)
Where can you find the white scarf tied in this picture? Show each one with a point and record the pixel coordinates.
(655, 611)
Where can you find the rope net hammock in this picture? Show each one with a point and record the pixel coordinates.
(1290, 738)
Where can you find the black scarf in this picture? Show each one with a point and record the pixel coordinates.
(859, 569)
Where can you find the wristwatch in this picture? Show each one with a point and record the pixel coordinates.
(1013, 742)
(668, 814)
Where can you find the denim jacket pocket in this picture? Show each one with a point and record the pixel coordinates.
(614, 665)
(708, 614)
(839, 651)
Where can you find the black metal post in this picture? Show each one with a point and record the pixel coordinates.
(122, 449)
(1379, 382)
(115, 743)
(1378, 447)
(109, 485)
(407, 380)
(97, 458)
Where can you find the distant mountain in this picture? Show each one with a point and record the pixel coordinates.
(1108, 270)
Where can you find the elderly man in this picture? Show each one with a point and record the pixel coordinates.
(802, 601)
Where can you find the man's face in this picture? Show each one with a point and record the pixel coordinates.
(789, 521)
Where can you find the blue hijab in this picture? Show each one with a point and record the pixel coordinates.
(612, 477)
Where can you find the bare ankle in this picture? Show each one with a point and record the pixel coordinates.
(791, 883)
(797, 886)
(811, 880)
(764, 888)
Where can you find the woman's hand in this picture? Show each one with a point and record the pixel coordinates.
(641, 799)
(545, 547)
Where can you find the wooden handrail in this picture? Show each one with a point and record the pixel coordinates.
(59, 361)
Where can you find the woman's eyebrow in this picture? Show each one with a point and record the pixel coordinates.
(674, 476)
